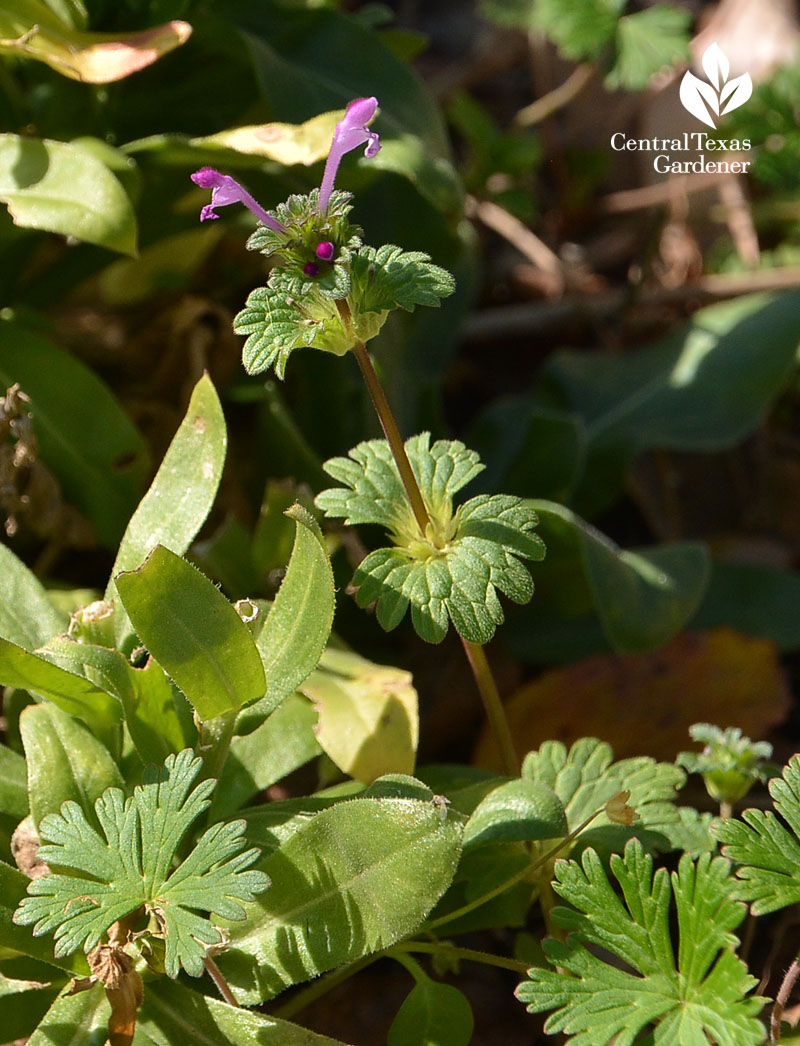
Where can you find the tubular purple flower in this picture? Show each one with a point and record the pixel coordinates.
(225, 190)
(351, 131)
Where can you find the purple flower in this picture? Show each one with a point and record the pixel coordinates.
(351, 131)
(225, 190)
(325, 251)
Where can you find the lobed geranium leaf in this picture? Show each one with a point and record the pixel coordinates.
(699, 996)
(454, 571)
(132, 868)
(767, 852)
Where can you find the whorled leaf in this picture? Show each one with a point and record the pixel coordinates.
(454, 571)
(132, 868)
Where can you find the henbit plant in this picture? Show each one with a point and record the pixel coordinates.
(385, 864)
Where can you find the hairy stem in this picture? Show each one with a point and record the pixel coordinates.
(781, 999)
(218, 978)
(215, 741)
(493, 706)
(389, 426)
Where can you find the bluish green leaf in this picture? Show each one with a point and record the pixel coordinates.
(193, 632)
(151, 714)
(19, 939)
(355, 879)
(84, 435)
(63, 188)
(647, 42)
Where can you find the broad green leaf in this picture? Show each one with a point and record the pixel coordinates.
(585, 777)
(764, 849)
(82, 1018)
(533, 451)
(151, 714)
(270, 825)
(13, 784)
(285, 741)
(27, 617)
(293, 637)
(183, 491)
(581, 30)
(647, 42)
(133, 867)
(754, 599)
(63, 188)
(516, 811)
(172, 1014)
(368, 715)
(433, 1014)
(454, 571)
(73, 693)
(100, 665)
(642, 598)
(193, 632)
(303, 63)
(19, 939)
(173, 510)
(700, 995)
(32, 29)
(65, 762)
(84, 435)
(357, 878)
(703, 388)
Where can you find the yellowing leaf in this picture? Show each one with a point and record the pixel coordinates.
(30, 28)
(285, 143)
(368, 720)
(644, 704)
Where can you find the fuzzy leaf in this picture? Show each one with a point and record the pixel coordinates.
(276, 325)
(456, 569)
(132, 867)
(698, 997)
(391, 278)
(768, 851)
(586, 777)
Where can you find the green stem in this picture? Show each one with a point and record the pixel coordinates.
(518, 877)
(456, 952)
(493, 706)
(474, 651)
(392, 433)
(323, 986)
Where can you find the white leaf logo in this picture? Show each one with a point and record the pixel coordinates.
(719, 95)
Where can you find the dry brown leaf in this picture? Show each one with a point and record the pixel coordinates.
(645, 704)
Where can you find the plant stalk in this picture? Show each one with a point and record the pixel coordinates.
(474, 651)
(456, 952)
(217, 977)
(781, 999)
(392, 433)
(493, 706)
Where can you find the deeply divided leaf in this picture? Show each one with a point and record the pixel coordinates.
(130, 866)
(699, 995)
